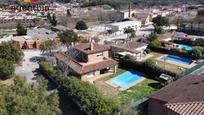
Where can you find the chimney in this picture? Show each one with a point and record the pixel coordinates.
(129, 10)
(91, 46)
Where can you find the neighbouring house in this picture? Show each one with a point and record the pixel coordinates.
(180, 35)
(8, 20)
(89, 61)
(118, 27)
(136, 49)
(59, 28)
(182, 97)
(34, 38)
(124, 14)
(165, 37)
(145, 18)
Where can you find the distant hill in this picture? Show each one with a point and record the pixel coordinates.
(118, 3)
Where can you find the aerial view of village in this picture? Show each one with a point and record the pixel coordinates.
(101, 57)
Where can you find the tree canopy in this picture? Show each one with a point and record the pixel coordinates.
(21, 30)
(130, 31)
(23, 99)
(81, 25)
(85, 95)
(10, 52)
(155, 44)
(160, 21)
(68, 37)
(6, 69)
(52, 19)
(48, 46)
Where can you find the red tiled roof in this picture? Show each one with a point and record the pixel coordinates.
(98, 65)
(83, 69)
(187, 89)
(86, 48)
(189, 108)
(130, 46)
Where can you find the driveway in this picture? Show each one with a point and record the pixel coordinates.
(29, 68)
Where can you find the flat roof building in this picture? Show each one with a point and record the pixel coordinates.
(120, 26)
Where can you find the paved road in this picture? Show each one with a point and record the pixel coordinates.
(29, 67)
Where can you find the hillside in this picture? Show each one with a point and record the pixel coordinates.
(119, 3)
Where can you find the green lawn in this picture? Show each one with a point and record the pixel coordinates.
(141, 90)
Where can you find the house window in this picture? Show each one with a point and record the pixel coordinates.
(99, 54)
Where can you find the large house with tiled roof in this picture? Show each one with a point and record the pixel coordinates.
(89, 61)
(183, 97)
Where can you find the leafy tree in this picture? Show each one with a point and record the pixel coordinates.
(155, 44)
(152, 37)
(49, 17)
(130, 31)
(21, 30)
(23, 99)
(159, 30)
(68, 37)
(6, 69)
(197, 52)
(48, 46)
(85, 95)
(88, 97)
(10, 52)
(160, 21)
(54, 20)
(81, 25)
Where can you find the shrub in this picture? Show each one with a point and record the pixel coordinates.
(159, 30)
(148, 68)
(155, 44)
(88, 98)
(6, 69)
(147, 50)
(81, 25)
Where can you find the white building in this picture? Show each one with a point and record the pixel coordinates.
(119, 27)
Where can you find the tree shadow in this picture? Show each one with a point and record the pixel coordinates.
(155, 85)
(68, 107)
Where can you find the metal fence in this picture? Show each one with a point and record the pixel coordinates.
(184, 73)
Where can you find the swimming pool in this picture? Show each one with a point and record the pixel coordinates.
(177, 59)
(127, 79)
(186, 47)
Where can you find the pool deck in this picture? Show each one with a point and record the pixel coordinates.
(123, 89)
(176, 63)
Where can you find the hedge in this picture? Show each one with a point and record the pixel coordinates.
(152, 71)
(85, 95)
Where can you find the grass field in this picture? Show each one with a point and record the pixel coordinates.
(141, 90)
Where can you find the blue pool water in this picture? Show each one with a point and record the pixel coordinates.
(177, 59)
(126, 79)
(186, 47)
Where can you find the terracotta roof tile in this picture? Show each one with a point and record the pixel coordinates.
(187, 89)
(83, 69)
(187, 108)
